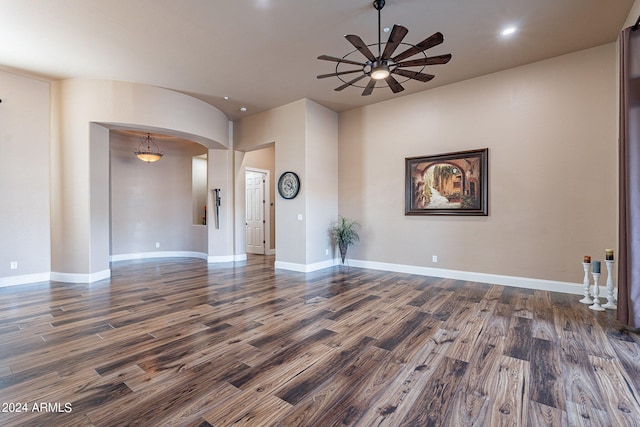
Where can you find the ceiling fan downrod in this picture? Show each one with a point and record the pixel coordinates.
(378, 5)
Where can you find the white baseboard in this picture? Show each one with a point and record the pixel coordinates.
(304, 268)
(226, 258)
(24, 279)
(180, 254)
(496, 279)
(158, 254)
(80, 278)
(519, 282)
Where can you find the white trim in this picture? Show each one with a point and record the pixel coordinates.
(24, 279)
(304, 268)
(158, 254)
(80, 278)
(226, 258)
(519, 282)
(496, 279)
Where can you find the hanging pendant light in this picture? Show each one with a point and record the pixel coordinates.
(152, 152)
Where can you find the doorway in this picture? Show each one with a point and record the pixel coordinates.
(257, 221)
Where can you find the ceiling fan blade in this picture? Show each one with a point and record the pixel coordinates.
(349, 83)
(361, 46)
(431, 60)
(395, 38)
(414, 75)
(334, 59)
(429, 42)
(393, 84)
(341, 73)
(367, 90)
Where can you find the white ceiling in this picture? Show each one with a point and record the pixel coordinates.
(263, 53)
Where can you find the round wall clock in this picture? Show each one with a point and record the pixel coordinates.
(288, 185)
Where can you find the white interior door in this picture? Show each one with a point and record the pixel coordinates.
(255, 212)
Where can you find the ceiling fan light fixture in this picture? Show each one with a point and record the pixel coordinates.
(380, 71)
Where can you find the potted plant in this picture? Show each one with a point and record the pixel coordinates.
(344, 233)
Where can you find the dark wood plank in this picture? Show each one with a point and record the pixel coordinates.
(519, 338)
(334, 400)
(309, 380)
(546, 375)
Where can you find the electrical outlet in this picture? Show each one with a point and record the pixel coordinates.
(14, 265)
(157, 244)
(326, 251)
(434, 258)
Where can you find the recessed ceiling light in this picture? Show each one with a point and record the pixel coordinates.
(243, 109)
(226, 98)
(386, 29)
(508, 31)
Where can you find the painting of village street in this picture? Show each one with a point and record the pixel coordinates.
(453, 184)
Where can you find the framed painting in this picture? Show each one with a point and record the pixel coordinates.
(447, 184)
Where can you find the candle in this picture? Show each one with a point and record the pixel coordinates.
(608, 254)
(596, 266)
(587, 259)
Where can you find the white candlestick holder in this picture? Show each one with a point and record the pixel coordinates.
(596, 290)
(611, 304)
(587, 296)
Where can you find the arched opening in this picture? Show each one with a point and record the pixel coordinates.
(157, 209)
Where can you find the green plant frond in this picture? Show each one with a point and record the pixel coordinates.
(345, 231)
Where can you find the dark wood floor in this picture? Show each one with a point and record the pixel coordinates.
(178, 342)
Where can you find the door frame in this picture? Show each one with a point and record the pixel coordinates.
(266, 207)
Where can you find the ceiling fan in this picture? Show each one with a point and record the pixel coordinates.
(384, 65)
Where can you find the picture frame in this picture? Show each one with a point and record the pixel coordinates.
(448, 184)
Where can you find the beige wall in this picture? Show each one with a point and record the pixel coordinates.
(551, 130)
(220, 175)
(305, 137)
(152, 202)
(321, 182)
(99, 217)
(24, 176)
(284, 126)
